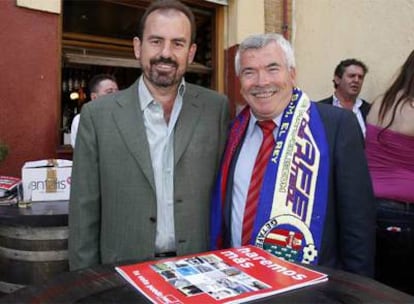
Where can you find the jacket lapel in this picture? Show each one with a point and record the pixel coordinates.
(186, 123)
(128, 118)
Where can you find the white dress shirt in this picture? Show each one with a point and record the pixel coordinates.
(74, 129)
(355, 109)
(160, 137)
(242, 174)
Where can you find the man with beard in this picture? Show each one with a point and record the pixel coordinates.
(146, 157)
(294, 179)
(348, 79)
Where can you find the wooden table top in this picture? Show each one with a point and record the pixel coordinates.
(39, 214)
(101, 284)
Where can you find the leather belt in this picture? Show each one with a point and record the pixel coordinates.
(168, 254)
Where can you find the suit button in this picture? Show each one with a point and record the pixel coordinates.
(153, 219)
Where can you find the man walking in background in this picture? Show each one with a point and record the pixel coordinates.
(99, 85)
(348, 80)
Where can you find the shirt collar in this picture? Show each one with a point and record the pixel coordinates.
(337, 103)
(253, 120)
(145, 97)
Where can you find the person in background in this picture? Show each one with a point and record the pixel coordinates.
(99, 85)
(348, 80)
(294, 178)
(390, 154)
(146, 157)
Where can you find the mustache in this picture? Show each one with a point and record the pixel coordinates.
(261, 90)
(163, 60)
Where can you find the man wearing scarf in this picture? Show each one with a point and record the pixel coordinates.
(310, 200)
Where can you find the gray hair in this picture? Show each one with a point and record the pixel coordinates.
(259, 41)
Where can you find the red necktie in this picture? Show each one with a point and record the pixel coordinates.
(256, 180)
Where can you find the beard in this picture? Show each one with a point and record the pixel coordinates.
(164, 79)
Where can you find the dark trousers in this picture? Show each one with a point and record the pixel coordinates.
(395, 244)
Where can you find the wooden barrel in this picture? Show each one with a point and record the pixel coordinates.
(33, 246)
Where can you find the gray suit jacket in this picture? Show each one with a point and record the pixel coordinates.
(112, 210)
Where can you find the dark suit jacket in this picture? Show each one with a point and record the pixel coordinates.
(364, 107)
(349, 236)
(348, 240)
(113, 208)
